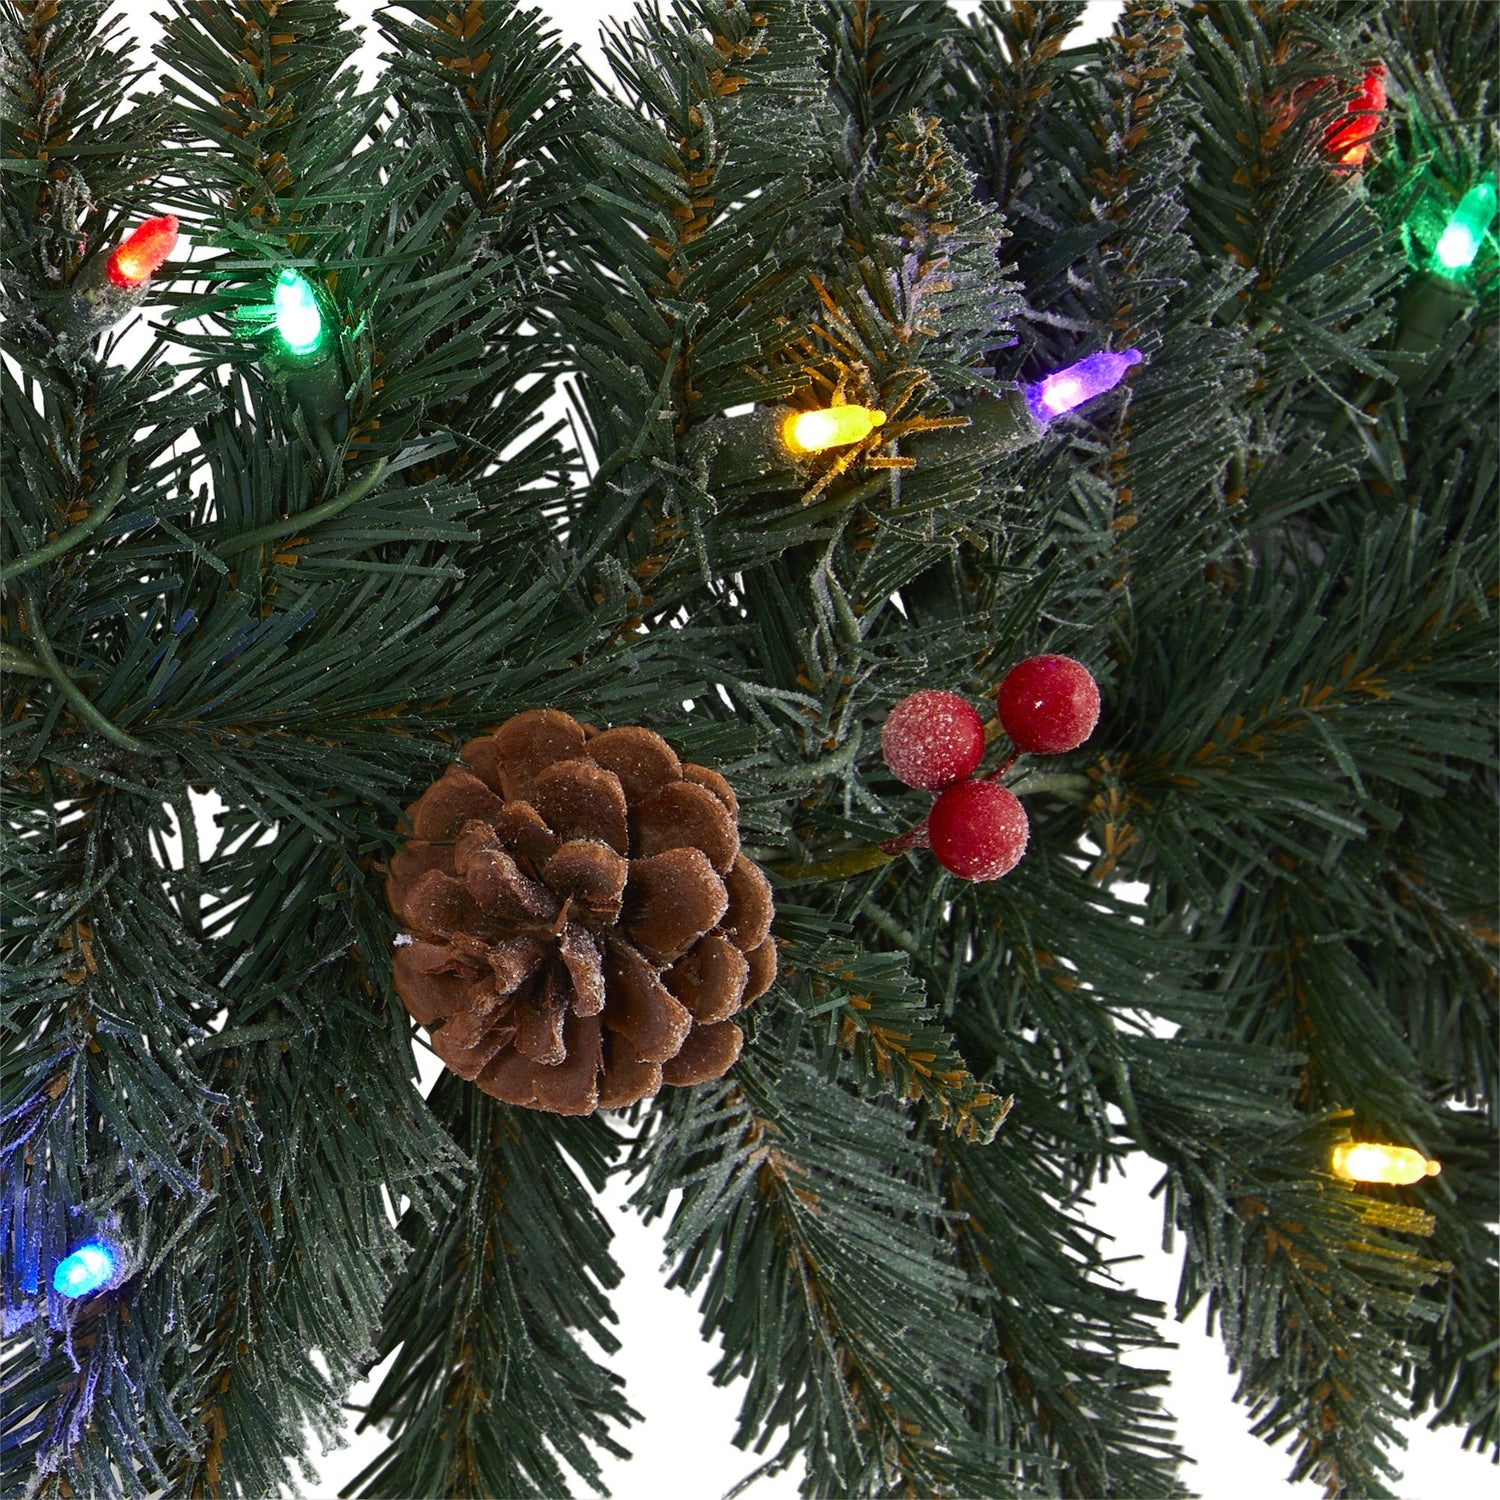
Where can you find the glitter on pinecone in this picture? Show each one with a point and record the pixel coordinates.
(583, 925)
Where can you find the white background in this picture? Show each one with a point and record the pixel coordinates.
(683, 1449)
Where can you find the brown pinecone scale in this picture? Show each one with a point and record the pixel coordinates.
(583, 924)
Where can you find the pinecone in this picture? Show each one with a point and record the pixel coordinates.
(583, 924)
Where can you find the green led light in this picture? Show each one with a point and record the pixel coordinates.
(1465, 233)
(299, 319)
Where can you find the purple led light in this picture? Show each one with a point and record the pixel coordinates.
(1070, 387)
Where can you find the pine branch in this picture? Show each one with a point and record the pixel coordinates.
(1453, 1378)
(267, 85)
(1007, 64)
(78, 152)
(1335, 700)
(1045, 993)
(1315, 1284)
(676, 204)
(483, 82)
(490, 1390)
(883, 63)
(1262, 133)
(1315, 1295)
(872, 1008)
(247, 1214)
(303, 1252)
(810, 1221)
(1078, 1414)
(478, 97)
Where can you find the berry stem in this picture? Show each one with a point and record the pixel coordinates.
(913, 838)
(857, 861)
(1002, 768)
(854, 862)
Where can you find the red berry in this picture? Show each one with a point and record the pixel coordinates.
(932, 739)
(978, 830)
(1048, 704)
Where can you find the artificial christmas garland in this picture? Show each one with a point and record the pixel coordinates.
(903, 345)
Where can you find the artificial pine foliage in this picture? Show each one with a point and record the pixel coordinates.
(303, 579)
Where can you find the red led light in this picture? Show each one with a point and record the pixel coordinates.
(133, 262)
(1348, 140)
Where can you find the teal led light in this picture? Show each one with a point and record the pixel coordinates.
(1466, 229)
(87, 1269)
(299, 319)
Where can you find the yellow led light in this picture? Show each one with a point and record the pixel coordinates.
(815, 431)
(1365, 1161)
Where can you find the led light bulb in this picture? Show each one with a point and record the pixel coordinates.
(1466, 229)
(137, 258)
(1348, 140)
(815, 431)
(1367, 1161)
(87, 1269)
(299, 319)
(1060, 392)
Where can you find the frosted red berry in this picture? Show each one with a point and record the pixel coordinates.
(1048, 704)
(932, 739)
(978, 830)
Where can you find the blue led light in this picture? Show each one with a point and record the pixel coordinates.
(88, 1268)
(1071, 387)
